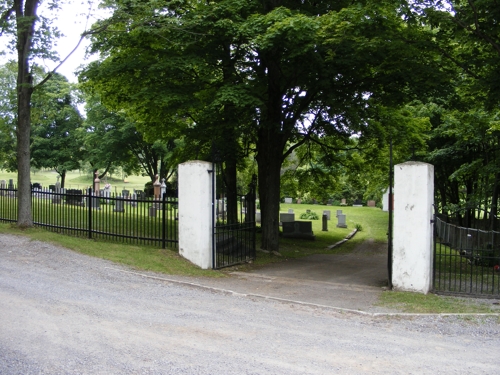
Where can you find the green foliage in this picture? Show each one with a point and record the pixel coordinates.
(309, 216)
(56, 123)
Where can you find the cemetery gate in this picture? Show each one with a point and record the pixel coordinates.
(233, 240)
(466, 260)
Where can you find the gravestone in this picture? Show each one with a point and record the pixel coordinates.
(290, 210)
(298, 229)
(339, 212)
(286, 217)
(56, 198)
(329, 202)
(119, 204)
(341, 221)
(325, 222)
(370, 203)
(11, 184)
(299, 201)
(74, 196)
(2, 187)
(133, 199)
(125, 193)
(343, 202)
(258, 218)
(96, 204)
(141, 195)
(288, 200)
(152, 211)
(327, 213)
(357, 203)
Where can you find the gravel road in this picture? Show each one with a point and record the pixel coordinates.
(66, 313)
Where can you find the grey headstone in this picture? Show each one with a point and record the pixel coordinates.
(288, 200)
(119, 204)
(327, 213)
(341, 221)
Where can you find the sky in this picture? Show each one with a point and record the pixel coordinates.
(71, 20)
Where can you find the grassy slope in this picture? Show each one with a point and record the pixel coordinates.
(80, 180)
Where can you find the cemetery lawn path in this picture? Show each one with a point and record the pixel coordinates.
(63, 313)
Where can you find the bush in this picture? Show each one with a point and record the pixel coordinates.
(309, 216)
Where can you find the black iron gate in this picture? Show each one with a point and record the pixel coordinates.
(234, 223)
(466, 260)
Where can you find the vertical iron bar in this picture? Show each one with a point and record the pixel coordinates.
(90, 211)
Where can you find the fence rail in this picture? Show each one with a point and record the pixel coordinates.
(130, 219)
(466, 260)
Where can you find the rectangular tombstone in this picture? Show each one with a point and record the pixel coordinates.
(258, 218)
(286, 217)
(119, 204)
(327, 213)
(288, 200)
(339, 212)
(343, 202)
(290, 210)
(298, 229)
(370, 203)
(357, 203)
(341, 221)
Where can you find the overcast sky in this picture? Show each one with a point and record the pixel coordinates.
(72, 21)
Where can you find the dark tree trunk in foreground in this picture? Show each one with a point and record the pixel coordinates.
(25, 18)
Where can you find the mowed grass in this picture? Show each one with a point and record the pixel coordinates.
(80, 180)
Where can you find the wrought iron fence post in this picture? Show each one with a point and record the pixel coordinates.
(89, 200)
(163, 219)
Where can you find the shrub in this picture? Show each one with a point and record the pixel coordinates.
(309, 216)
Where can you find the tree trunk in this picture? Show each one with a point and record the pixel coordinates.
(63, 178)
(230, 180)
(25, 21)
(269, 167)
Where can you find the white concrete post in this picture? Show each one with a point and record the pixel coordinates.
(412, 240)
(195, 212)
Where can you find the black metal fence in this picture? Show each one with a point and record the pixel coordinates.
(466, 260)
(131, 219)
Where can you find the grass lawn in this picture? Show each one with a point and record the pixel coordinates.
(80, 180)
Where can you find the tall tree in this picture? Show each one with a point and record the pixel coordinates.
(56, 124)
(277, 72)
(32, 37)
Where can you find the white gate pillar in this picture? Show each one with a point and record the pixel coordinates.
(412, 256)
(195, 212)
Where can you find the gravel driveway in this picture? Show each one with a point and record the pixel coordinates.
(66, 313)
